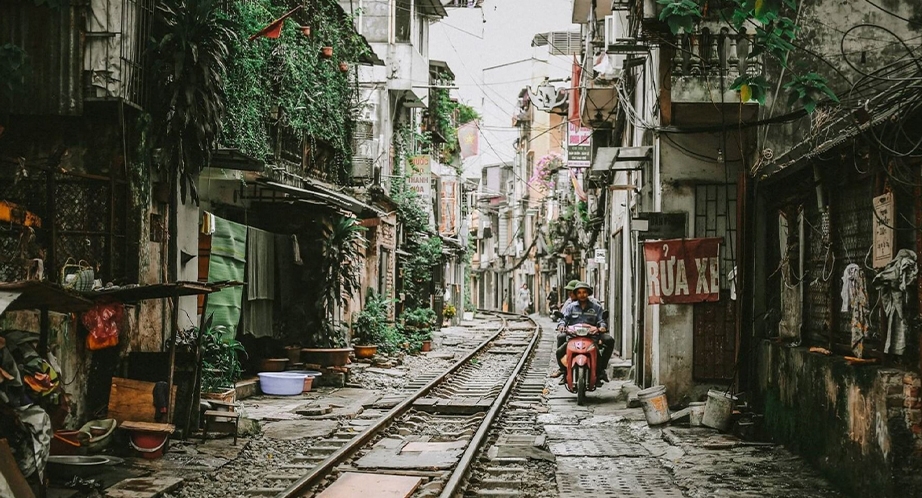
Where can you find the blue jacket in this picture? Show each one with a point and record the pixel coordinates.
(574, 314)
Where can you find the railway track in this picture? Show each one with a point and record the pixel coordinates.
(430, 441)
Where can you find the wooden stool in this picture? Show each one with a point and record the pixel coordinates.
(214, 416)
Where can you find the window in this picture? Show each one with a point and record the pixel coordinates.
(402, 20)
(422, 36)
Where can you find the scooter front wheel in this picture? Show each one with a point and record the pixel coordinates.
(582, 378)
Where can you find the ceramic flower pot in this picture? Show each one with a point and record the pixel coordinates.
(326, 52)
(326, 357)
(427, 346)
(344, 66)
(365, 351)
(306, 30)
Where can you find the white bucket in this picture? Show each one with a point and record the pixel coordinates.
(718, 410)
(695, 413)
(655, 406)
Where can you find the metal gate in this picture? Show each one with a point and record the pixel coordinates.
(84, 218)
(714, 341)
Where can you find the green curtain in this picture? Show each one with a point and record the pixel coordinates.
(228, 262)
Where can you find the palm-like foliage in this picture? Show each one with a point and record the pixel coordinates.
(343, 245)
(189, 63)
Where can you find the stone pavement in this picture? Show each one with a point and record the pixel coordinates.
(605, 449)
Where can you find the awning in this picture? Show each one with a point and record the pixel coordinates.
(315, 192)
(432, 8)
(227, 158)
(413, 101)
(135, 293)
(621, 158)
(35, 295)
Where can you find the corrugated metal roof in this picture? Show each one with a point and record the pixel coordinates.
(53, 40)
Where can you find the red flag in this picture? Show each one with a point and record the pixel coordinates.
(574, 112)
(274, 29)
(469, 139)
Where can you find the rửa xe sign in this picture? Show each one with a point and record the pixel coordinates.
(682, 271)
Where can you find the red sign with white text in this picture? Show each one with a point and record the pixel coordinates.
(682, 271)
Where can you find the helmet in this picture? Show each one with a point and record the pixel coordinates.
(571, 285)
(582, 285)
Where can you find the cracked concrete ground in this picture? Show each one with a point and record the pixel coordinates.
(607, 449)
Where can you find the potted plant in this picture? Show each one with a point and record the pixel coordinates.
(370, 324)
(326, 52)
(220, 363)
(337, 271)
(418, 322)
(449, 311)
(344, 66)
(305, 30)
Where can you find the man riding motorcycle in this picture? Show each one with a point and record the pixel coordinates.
(588, 312)
(571, 298)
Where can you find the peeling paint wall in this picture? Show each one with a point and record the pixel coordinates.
(861, 426)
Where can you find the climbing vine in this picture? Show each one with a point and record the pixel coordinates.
(286, 83)
(449, 115)
(12, 71)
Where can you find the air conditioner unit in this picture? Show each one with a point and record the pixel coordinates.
(364, 149)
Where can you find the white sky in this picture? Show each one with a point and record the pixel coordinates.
(500, 33)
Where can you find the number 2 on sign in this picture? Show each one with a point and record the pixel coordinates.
(665, 250)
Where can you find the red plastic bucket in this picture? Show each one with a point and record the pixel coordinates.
(149, 444)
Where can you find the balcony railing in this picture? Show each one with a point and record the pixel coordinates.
(715, 54)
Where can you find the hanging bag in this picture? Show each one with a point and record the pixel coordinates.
(77, 276)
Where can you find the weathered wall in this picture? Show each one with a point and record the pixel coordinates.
(824, 23)
(686, 161)
(861, 426)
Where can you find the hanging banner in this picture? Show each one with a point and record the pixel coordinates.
(683, 271)
(469, 139)
(449, 207)
(420, 178)
(883, 230)
(579, 146)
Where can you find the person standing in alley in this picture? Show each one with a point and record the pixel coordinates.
(523, 299)
(552, 300)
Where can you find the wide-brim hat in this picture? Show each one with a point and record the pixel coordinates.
(571, 285)
(583, 285)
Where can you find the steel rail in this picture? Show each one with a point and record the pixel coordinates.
(461, 470)
(327, 465)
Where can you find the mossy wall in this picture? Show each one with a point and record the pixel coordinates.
(859, 425)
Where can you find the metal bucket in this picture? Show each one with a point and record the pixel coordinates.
(718, 410)
(695, 413)
(655, 406)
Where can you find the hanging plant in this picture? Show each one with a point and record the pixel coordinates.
(326, 52)
(545, 169)
(344, 66)
(305, 30)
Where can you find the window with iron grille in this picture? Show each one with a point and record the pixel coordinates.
(715, 216)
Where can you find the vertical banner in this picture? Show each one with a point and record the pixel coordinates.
(420, 178)
(682, 271)
(883, 230)
(449, 206)
(579, 146)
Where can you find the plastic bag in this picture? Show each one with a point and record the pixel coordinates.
(102, 322)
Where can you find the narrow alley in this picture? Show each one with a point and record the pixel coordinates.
(460, 248)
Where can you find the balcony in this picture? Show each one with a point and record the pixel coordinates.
(707, 63)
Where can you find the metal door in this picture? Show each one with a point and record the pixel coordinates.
(715, 337)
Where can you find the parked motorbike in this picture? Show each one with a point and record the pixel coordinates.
(581, 360)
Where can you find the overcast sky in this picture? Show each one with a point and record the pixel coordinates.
(498, 34)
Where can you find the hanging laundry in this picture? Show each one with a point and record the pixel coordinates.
(297, 250)
(892, 282)
(855, 299)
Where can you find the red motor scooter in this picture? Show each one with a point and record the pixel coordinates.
(581, 360)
